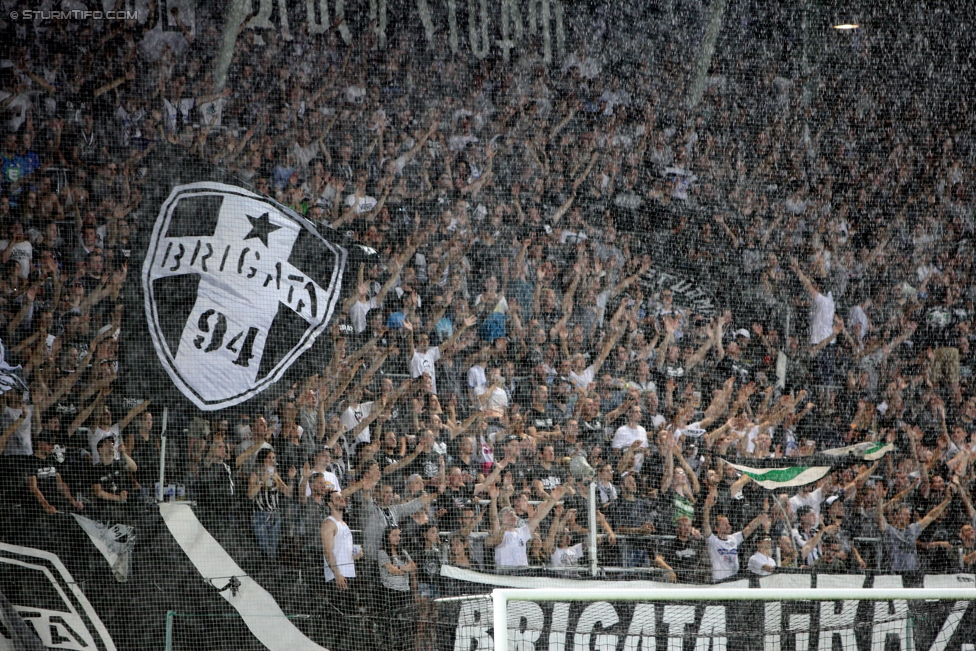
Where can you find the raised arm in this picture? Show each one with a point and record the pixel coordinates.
(811, 544)
(880, 516)
(545, 507)
(762, 518)
(807, 283)
(135, 411)
(707, 514)
(935, 512)
(497, 534)
(605, 351)
(692, 477)
(467, 323)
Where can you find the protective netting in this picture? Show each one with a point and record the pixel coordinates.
(387, 288)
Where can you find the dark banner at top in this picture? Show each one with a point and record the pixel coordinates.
(229, 292)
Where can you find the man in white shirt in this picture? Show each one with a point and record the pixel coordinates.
(477, 380)
(808, 496)
(17, 248)
(493, 399)
(510, 536)
(627, 435)
(822, 332)
(723, 545)
(423, 356)
(19, 444)
(581, 376)
(761, 563)
(359, 310)
(354, 414)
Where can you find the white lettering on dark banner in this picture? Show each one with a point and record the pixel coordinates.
(489, 27)
(771, 626)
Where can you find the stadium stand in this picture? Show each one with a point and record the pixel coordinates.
(464, 263)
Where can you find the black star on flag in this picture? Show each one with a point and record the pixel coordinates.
(261, 227)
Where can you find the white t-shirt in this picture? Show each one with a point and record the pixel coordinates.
(821, 318)
(20, 443)
(568, 557)
(22, 252)
(625, 436)
(510, 552)
(813, 499)
(477, 379)
(759, 560)
(583, 380)
(304, 155)
(424, 363)
(212, 113)
(329, 477)
(362, 204)
(857, 315)
(17, 110)
(358, 312)
(724, 555)
(497, 400)
(97, 435)
(353, 415)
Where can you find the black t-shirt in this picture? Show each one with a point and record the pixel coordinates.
(217, 486)
(67, 409)
(146, 456)
(454, 501)
(411, 537)
(552, 477)
(428, 465)
(520, 474)
(46, 472)
(684, 557)
(289, 456)
(113, 478)
(592, 431)
(543, 420)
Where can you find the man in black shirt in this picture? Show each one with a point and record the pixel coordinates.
(216, 480)
(540, 413)
(681, 558)
(457, 497)
(46, 490)
(547, 474)
(632, 516)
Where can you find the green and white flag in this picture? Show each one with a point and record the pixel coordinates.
(773, 474)
(774, 478)
(868, 450)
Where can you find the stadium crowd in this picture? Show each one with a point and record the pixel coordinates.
(510, 330)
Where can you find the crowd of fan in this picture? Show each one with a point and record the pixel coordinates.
(508, 329)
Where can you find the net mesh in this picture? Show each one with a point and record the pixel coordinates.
(320, 320)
